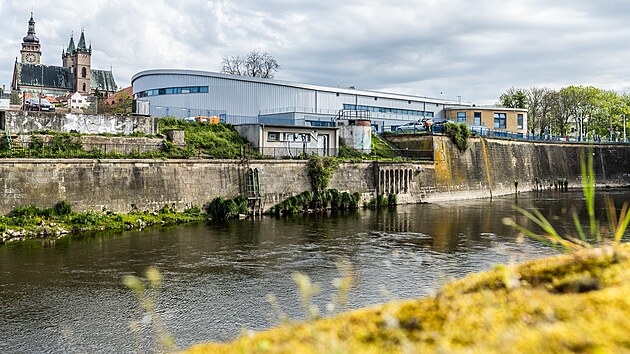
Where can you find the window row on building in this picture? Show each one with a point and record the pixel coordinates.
(288, 136)
(388, 110)
(173, 91)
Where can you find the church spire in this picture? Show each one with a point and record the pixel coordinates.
(71, 45)
(81, 45)
(30, 36)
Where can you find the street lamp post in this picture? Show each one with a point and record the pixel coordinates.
(578, 132)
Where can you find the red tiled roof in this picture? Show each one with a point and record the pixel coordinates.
(114, 97)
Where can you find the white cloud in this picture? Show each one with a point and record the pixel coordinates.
(427, 47)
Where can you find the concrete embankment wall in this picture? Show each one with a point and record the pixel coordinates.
(492, 166)
(117, 185)
(488, 167)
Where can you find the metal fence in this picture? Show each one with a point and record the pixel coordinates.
(302, 153)
(486, 132)
(77, 149)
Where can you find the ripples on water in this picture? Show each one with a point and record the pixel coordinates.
(70, 297)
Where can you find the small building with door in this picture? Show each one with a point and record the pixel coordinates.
(496, 119)
(290, 140)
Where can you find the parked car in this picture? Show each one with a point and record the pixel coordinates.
(410, 127)
(438, 126)
(421, 125)
(38, 104)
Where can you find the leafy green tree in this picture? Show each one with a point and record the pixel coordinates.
(514, 98)
(539, 105)
(123, 103)
(582, 111)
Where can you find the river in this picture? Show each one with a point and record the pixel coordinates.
(68, 297)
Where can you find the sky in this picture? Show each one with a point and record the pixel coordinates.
(471, 50)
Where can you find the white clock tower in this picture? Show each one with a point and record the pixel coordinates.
(31, 49)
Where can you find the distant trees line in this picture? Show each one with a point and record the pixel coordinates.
(585, 112)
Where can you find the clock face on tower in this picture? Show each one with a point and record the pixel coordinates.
(30, 58)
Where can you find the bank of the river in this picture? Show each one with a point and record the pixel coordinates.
(570, 303)
(60, 221)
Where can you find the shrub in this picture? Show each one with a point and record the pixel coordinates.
(65, 142)
(87, 218)
(37, 144)
(392, 200)
(62, 208)
(222, 209)
(193, 211)
(25, 211)
(320, 169)
(335, 198)
(381, 201)
(459, 134)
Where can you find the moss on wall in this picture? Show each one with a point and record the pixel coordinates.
(565, 304)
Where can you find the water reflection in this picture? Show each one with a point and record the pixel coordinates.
(68, 296)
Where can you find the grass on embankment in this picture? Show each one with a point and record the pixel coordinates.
(218, 140)
(571, 303)
(30, 222)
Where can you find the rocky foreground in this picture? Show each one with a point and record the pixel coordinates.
(578, 302)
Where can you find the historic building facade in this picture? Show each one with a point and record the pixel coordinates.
(75, 74)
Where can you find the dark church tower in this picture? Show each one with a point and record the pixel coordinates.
(31, 50)
(79, 60)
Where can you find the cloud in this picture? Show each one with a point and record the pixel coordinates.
(447, 49)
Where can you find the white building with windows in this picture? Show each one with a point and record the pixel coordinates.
(291, 141)
(77, 102)
(247, 100)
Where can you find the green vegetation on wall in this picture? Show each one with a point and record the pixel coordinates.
(459, 134)
(317, 201)
(30, 221)
(69, 145)
(223, 209)
(381, 149)
(320, 170)
(217, 140)
(382, 201)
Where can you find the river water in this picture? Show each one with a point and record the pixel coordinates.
(68, 297)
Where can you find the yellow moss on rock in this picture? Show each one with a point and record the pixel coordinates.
(578, 302)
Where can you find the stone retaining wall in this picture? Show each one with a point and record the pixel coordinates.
(489, 167)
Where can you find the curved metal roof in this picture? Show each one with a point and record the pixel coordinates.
(185, 72)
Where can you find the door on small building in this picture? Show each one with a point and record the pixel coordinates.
(3, 122)
(322, 144)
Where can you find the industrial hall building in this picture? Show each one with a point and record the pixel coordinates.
(76, 74)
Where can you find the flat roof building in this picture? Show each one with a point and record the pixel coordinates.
(248, 100)
(498, 119)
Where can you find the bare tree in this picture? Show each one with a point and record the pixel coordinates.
(256, 64)
(233, 65)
